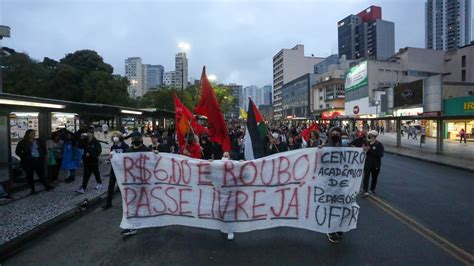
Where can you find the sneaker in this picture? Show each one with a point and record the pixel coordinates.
(81, 191)
(332, 238)
(99, 186)
(230, 236)
(365, 194)
(107, 206)
(372, 192)
(128, 232)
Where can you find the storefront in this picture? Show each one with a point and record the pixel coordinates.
(68, 121)
(20, 122)
(459, 106)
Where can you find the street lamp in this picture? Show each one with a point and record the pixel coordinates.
(184, 46)
(212, 78)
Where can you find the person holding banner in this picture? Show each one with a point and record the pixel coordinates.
(119, 146)
(276, 146)
(137, 146)
(334, 140)
(192, 148)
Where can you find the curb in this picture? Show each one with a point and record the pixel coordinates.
(428, 160)
(19, 243)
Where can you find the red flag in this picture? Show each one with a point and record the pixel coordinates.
(183, 118)
(209, 107)
(306, 133)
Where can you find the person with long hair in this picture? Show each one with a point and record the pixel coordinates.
(32, 152)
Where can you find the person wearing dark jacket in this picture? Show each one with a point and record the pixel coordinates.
(32, 153)
(119, 146)
(360, 141)
(276, 145)
(334, 140)
(137, 146)
(206, 147)
(90, 157)
(373, 162)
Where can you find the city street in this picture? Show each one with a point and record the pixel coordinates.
(422, 215)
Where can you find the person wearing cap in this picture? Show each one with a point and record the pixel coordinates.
(334, 140)
(119, 146)
(137, 146)
(373, 162)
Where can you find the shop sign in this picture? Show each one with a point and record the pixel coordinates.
(356, 78)
(330, 115)
(408, 94)
(459, 106)
(431, 114)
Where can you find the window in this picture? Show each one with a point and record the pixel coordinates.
(463, 75)
(321, 97)
(463, 61)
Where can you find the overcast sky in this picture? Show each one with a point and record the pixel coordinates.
(236, 40)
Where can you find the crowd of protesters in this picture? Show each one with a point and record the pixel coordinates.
(67, 151)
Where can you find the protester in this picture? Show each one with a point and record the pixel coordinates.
(32, 153)
(206, 147)
(54, 146)
(192, 147)
(105, 130)
(314, 140)
(360, 141)
(276, 146)
(119, 146)
(137, 146)
(92, 150)
(154, 143)
(71, 156)
(373, 162)
(292, 144)
(334, 140)
(382, 130)
(462, 135)
(164, 146)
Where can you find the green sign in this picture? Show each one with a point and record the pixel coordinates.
(459, 106)
(356, 78)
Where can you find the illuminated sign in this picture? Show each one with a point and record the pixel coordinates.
(356, 78)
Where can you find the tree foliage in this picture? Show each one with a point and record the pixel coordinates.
(82, 76)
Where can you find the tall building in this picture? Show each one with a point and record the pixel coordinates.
(154, 76)
(289, 64)
(447, 24)
(295, 96)
(134, 74)
(252, 92)
(236, 91)
(366, 35)
(169, 78)
(266, 97)
(181, 69)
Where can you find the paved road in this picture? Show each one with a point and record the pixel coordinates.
(438, 197)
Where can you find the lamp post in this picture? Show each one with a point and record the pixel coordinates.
(377, 103)
(184, 46)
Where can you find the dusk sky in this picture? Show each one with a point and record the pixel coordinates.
(236, 40)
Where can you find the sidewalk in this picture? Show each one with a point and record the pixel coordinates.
(460, 155)
(24, 213)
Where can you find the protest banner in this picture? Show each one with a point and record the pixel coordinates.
(312, 189)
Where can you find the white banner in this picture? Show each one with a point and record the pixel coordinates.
(312, 188)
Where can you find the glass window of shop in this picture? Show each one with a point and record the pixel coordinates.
(454, 127)
(68, 121)
(20, 122)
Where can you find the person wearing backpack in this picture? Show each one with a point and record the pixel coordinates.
(373, 162)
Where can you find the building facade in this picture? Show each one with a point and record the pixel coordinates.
(135, 75)
(447, 24)
(169, 78)
(366, 35)
(295, 94)
(289, 64)
(252, 92)
(266, 97)
(181, 70)
(154, 76)
(236, 91)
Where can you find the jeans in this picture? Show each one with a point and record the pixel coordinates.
(32, 166)
(110, 190)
